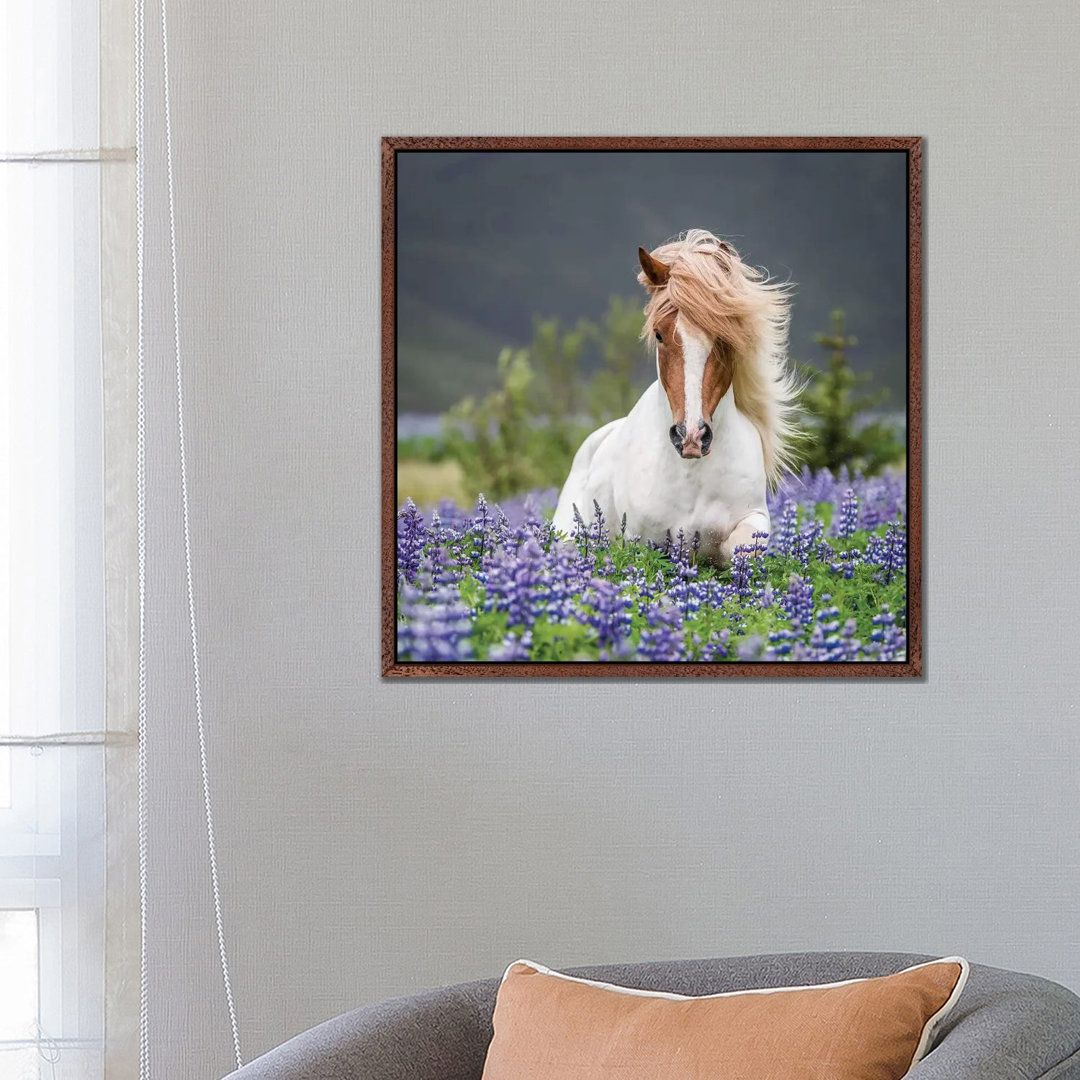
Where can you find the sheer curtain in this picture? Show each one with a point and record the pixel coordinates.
(62, 191)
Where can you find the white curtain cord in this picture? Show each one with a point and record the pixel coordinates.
(207, 803)
(140, 199)
(140, 215)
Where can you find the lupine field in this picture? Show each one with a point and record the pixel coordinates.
(496, 583)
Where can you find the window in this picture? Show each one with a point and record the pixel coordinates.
(52, 624)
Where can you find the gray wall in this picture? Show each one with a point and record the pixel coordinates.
(379, 837)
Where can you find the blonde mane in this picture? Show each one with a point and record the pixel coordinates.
(738, 305)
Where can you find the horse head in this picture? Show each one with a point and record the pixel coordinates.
(695, 367)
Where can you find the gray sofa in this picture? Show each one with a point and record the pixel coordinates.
(1005, 1026)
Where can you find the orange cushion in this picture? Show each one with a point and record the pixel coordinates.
(550, 1026)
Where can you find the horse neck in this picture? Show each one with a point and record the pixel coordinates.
(727, 408)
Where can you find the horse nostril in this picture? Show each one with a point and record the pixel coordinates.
(676, 435)
(706, 436)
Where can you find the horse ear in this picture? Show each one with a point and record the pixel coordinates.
(656, 272)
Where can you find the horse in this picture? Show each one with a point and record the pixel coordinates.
(703, 443)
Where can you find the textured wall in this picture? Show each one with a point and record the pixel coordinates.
(378, 837)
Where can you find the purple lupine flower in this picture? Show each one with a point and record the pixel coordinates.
(513, 583)
(787, 531)
(580, 533)
(681, 589)
(798, 604)
(848, 519)
(750, 648)
(889, 639)
(481, 519)
(896, 547)
(884, 498)
(742, 573)
(888, 552)
(846, 646)
(438, 567)
(845, 563)
(808, 542)
(610, 616)
(433, 627)
(451, 515)
(568, 574)
(747, 567)
(598, 527)
(662, 638)
(500, 529)
(531, 507)
(827, 617)
(513, 647)
(781, 643)
(715, 648)
(411, 538)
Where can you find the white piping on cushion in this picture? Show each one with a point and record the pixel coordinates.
(932, 1024)
(920, 1051)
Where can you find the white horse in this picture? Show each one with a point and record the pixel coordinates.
(703, 442)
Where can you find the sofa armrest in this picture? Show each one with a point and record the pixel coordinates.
(1007, 1026)
(437, 1035)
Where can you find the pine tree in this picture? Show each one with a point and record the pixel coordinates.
(838, 431)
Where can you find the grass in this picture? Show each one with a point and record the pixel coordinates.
(426, 482)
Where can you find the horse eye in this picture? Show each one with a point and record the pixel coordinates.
(658, 337)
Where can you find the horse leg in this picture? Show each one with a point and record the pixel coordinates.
(583, 485)
(743, 535)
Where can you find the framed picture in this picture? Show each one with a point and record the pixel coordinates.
(652, 407)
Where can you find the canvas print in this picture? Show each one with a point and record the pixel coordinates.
(651, 407)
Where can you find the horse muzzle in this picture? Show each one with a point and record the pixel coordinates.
(693, 443)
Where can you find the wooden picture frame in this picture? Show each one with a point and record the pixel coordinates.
(912, 663)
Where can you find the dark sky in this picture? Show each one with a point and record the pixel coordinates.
(488, 240)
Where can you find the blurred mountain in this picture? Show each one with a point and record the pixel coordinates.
(488, 241)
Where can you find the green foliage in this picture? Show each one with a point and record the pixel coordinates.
(556, 356)
(493, 439)
(422, 448)
(525, 432)
(837, 432)
(614, 389)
